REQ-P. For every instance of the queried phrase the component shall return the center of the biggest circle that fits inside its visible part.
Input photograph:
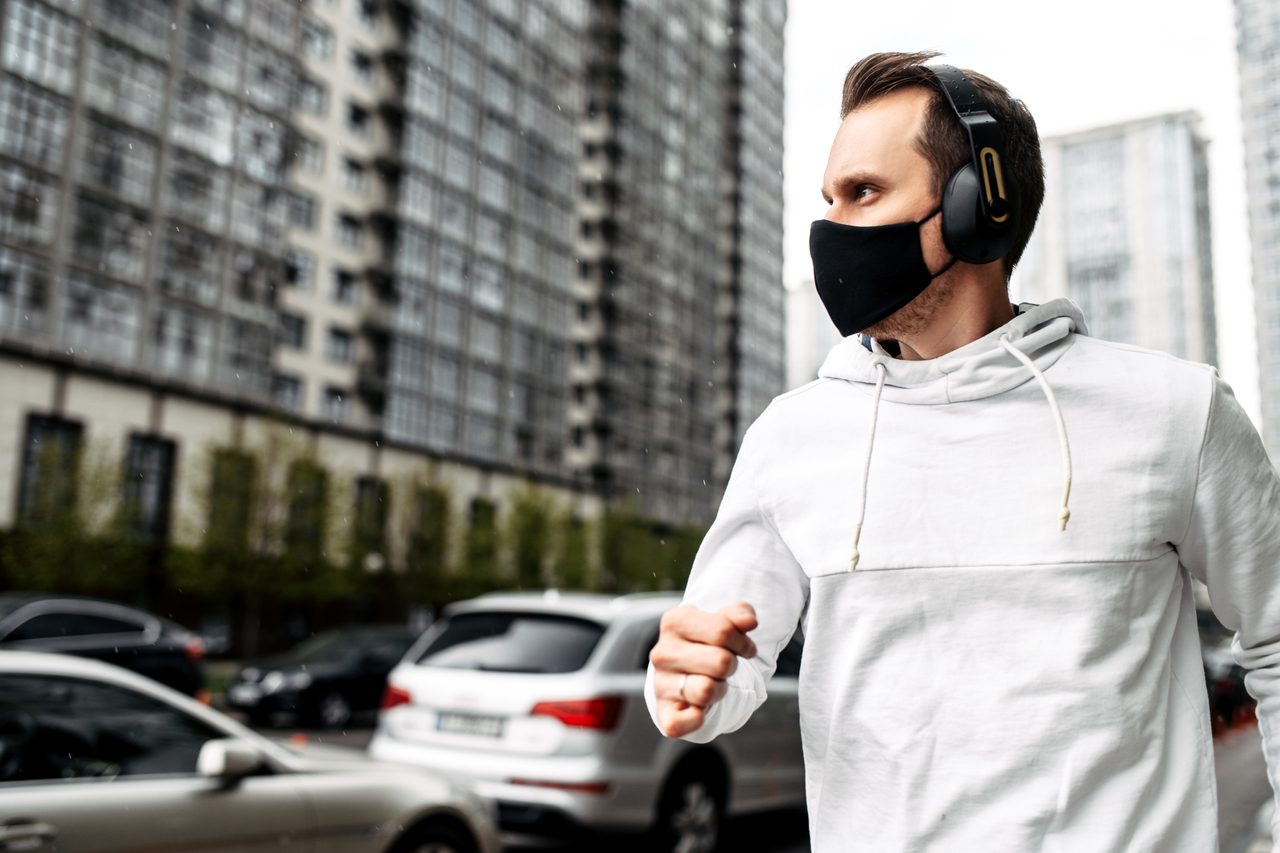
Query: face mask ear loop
(953, 260)
(866, 466)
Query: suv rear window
(513, 642)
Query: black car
(324, 680)
(124, 636)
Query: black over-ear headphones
(980, 205)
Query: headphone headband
(986, 144)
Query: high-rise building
(1258, 42)
(484, 258)
(142, 197)
(1124, 232)
(678, 333)
(520, 238)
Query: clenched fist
(696, 651)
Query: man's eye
(863, 192)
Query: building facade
(513, 239)
(1124, 232)
(1258, 43)
(678, 339)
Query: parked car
(537, 700)
(97, 759)
(324, 680)
(134, 639)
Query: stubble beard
(912, 319)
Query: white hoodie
(982, 680)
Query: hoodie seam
(1204, 444)
(1019, 565)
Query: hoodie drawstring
(866, 466)
(1063, 513)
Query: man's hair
(943, 140)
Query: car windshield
(513, 642)
(341, 645)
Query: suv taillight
(601, 713)
(393, 696)
(194, 649)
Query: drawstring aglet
(1064, 513)
(855, 556)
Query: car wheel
(333, 710)
(690, 812)
(436, 837)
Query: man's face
(875, 176)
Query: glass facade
(144, 207)
(484, 257)
(1258, 41)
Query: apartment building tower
(678, 339)
(1124, 232)
(1258, 44)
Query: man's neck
(962, 321)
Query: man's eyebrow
(853, 180)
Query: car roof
(597, 607)
(12, 602)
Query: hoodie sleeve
(1233, 544)
(742, 558)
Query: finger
(698, 689)
(677, 719)
(713, 629)
(742, 615)
(674, 655)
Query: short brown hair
(943, 140)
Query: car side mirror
(229, 759)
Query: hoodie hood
(981, 369)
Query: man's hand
(697, 650)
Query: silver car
(96, 758)
(537, 699)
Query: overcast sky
(1076, 65)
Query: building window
(202, 119)
(357, 119)
(338, 346)
(317, 39)
(371, 510)
(362, 66)
(33, 125)
(231, 489)
(100, 319)
(313, 97)
(302, 211)
(354, 177)
(124, 85)
(344, 287)
(24, 281)
(335, 405)
(293, 330)
(482, 390)
(308, 153)
(28, 206)
(299, 269)
(349, 231)
(286, 391)
(308, 504)
(212, 50)
(148, 486)
(40, 44)
(117, 161)
(50, 470)
(196, 191)
(182, 342)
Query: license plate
(469, 724)
(244, 694)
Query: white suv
(536, 699)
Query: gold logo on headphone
(991, 165)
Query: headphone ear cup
(964, 231)
(961, 209)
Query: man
(983, 670)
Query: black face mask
(865, 274)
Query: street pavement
(1244, 798)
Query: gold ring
(683, 679)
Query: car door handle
(21, 837)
